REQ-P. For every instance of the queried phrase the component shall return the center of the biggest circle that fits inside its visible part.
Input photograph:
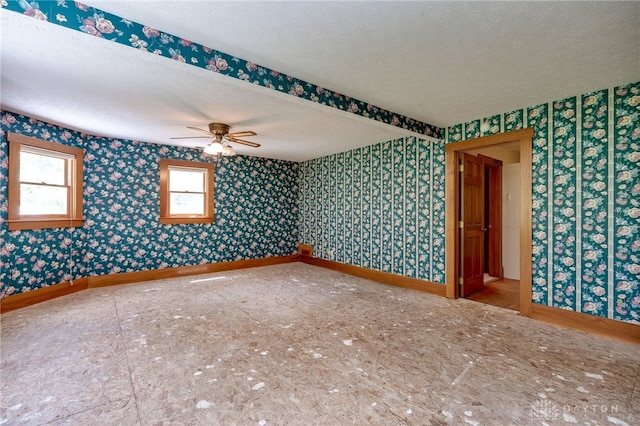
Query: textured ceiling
(438, 62)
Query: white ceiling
(438, 62)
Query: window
(45, 184)
(186, 192)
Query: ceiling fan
(220, 145)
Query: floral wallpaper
(379, 207)
(563, 211)
(586, 198)
(79, 17)
(256, 213)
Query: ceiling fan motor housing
(219, 128)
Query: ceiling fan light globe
(213, 148)
(228, 151)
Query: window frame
(73, 219)
(165, 195)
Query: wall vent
(305, 250)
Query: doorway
(493, 286)
(480, 203)
(465, 235)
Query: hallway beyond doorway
(504, 293)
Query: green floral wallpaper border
(79, 17)
(586, 198)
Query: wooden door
(493, 216)
(472, 222)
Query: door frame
(452, 234)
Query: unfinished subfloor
(295, 344)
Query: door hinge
(461, 167)
(460, 281)
(461, 224)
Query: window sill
(21, 224)
(185, 220)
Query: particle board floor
(299, 345)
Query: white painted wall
(511, 220)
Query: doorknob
(484, 229)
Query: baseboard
(32, 297)
(613, 329)
(372, 274)
(605, 327)
(21, 300)
(181, 271)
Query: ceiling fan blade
(193, 137)
(199, 130)
(241, 134)
(243, 142)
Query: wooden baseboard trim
(606, 327)
(613, 329)
(159, 274)
(21, 300)
(372, 274)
